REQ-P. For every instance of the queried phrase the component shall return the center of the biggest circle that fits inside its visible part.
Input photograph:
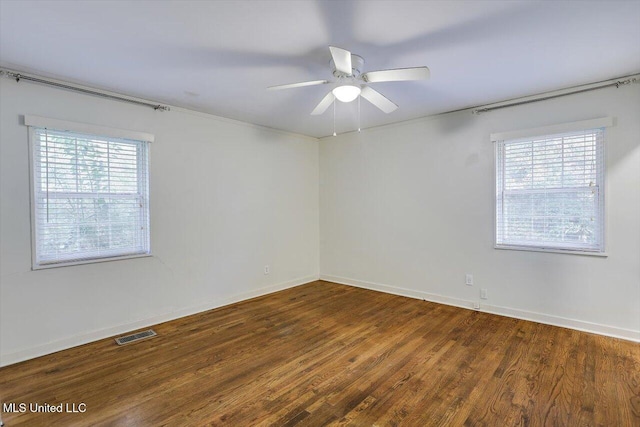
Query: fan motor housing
(357, 65)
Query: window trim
(67, 126)
(582, 125)
(550, 250)
(34, 122)
(603, 122)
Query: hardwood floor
(322, 354)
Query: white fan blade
(302, 84)
(324, 104)
(342, 59)
(397, 75)
(377, 99)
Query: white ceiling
(219, 56)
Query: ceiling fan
(351, 83)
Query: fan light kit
(351, 84)
(346, 93)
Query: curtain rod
(18, 77)
(621, 81)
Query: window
(550, 192)
(90, 197)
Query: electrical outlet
(476, 306)
(483, 293)
(266, 269)
(469, 280)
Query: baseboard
(52, 347)
(580, 325)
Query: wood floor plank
(327, 354)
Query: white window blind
(90, 197)
(550, 192)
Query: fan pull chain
(359, 113)
(334, 118)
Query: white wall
(226, 199)
(405, 208)
(408, 208)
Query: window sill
(35, 267)
(550, 250)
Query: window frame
(585, 125)
(36, 122)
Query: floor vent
(139, 336)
